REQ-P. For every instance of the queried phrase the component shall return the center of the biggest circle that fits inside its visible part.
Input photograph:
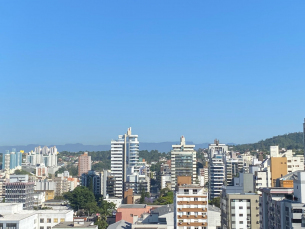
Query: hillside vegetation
(293, 141)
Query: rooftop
(120, 224)
(133, 206)
(71, 224)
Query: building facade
(191, 207)
(124, 159)
(183, 162)
(84, 164)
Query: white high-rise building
(183, 162)
(124, 159)
(217, 154)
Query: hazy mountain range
(161, 147)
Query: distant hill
(292, 141)
(161, 147)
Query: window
(194, 191)
(186, 191)
(62, 220)
(49, 227)
(41, 228)
(55, 220)
(188, 213)
(49, 220)
(131, 215)
(196, 199)
(34, 221)
(241, 215)
(241, 222)
(1, 225)
(41, 220)
(11, 225)
(240, 207)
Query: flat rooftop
(71, 224)
(132, 206)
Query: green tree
(215, 201)
(82, 198)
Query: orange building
(84, 163)
(278, 168)
(129, 212)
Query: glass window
(195, 191)
(49, 220)
(48, 227)
(41, 220)
(41, 227)
(62, 220)
(55, 220)
(186, 191)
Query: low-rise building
(14, 217)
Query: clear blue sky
(84, 71)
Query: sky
(84, 71)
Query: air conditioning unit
(180, 223)
(188, 223)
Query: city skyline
(76, 72)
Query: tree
(82, 198)
(215, 201)
(143, 195)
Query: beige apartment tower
(84, 163)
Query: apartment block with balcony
(191, 207)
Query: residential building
(269, 212)
(216, 175)
(217, 153)
(137, 183)
(45, 155)
(124, 158)
(165, 180)
(232, 169)
(11, 161)
(131, 212)
(240, 210)
(77, 222)
(42, 171)
(183, 162)
(93, 181)
(14, 217)
(84, 163)
(20, 190)
(158, 218)
(191, 207)
(214, 219)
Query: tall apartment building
(183, 162)
(84, 163)
(191, 207)
(216, 155)
(20, 190)
(124, 159)
(11, 160)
